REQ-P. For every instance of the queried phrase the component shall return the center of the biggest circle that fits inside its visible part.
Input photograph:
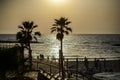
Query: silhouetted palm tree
(61, 27)
(25, 36)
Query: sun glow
(58, 1)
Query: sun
(58, 1)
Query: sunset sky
(87, 16)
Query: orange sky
(87, 16)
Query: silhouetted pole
(67, 68)
(76, 68)
(30, 58)
(86, 63)
(37, 65)
(104, 63)
(61, 64)
(50, 69)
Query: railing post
(67, 68)
(37, 65)
(76, 68)
(50, 69)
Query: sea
(74, 45)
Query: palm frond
(23, 32)
(34, 26)
(21, 27)
(31, 24)
(25, 24)
(63, 31)
(67, 23)
(35, 38)
(65, 19)
(53, 30)
(56, 20)
(55, 25)
(37, 33)
(69, 29)
(61, 27)
(30, 31)
(66, 32)
(58, 30)
(19, 36)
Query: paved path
(46, 65)
(32, 74)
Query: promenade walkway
(32, 74)
(48, 68)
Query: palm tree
(25, 36)
(61, 27)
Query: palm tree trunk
(21, 58)
(61, 52)
(22, 51)
(61, 60)
(30, 57)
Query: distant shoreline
(73, 58)
(7, 41)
